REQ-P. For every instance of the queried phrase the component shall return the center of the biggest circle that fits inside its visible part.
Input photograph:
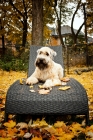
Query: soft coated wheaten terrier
(46, 69)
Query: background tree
(75, 35)
(22, 9)
(37, 22)
(89, 10)
(19, 20)
(3, 22)
(42, 14)
(63, 13)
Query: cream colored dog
(46, 69)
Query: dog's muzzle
(41, 63)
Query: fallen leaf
(10, 124)
(30, 123)
(43, 123)
(43, 91)
(59, 132)
(53, 138)
(11, 132)
(35, 132)
(90, 134)
(22, 125)
(27, 135)
(51, 130)
(64, 83)
(21, 81)
(59, 124)
(11, 116)
(64, 88)
(32, 90)
(2, 106)
(31, 86)
(3, 133)
(21, 133)
(37, 138)
(65, 79)
(40, 86)
(58, 84)
(76, 128)
(39, 123)
(5, 138)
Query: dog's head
(44, 57)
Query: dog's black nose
(41, 60)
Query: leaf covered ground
(40, 128)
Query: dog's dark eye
(47, 53)
(40, 52)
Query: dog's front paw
(48, 84)
(28, 81)
(31, 80)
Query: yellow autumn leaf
(3, 133)
(59, 124)
(11, 131)
(10, 116)
(76, 128)
(40, 86)
(51, 130)
(58, 84)
(37, 138)
(43, 123)
(5, 138)
(10, 124)
(64, 88)
(89, 128)
(31, 86)
(21, 81)
(53, 138)
(66, 136)
(39, 123)
(21, 133)
(59, 132)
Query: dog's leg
(51, 82)
(48, 83)
(57, 82)
(61, 73)
(32, 79)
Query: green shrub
(9, 62)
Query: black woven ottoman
(20, 100)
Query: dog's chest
(44, 75)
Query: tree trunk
(85, 19)
(59, 32)
(24, 37)
(3, 44)
(75, 35)
(37, 22)
(3, 41)
(25, 17)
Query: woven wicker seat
(20, 100)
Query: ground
(57, 131)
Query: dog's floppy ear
(38, 51)
(53, 53)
